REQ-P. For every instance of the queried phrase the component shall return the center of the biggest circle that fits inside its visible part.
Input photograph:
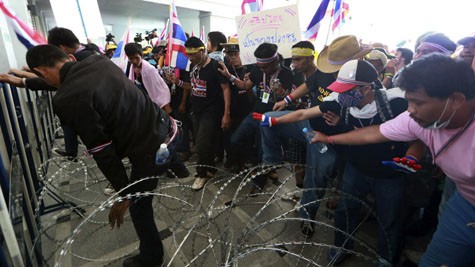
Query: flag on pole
(163, 33)
(176, 52)
(119, 57)
(339, 13)
(202, 34)
(254, 5)
(345, 11)
(312, 29)
(24, 32)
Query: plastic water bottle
(162, 155)
(322, 148)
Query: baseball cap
(377, 55)
(354, 73)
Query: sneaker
(307, 228)
(199, 183)
(336, 256)
(137, 261)
(62, 153)
(109, 190)
(292, 196)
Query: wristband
(288, 99)
(180, 83)
(232, 78)
(388, 74)
(330, 140)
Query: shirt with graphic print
(206, 91)
(317, 84)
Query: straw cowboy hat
(340, 51)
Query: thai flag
(341, 11)
(119, 57)
(24, 32)
(254, 5)
(202, 34)
(312, 29)
(163, 33)
(176, 52)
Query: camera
(138, 37)
(110, 37)
(150, 34)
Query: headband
(343, 80)
(436, 46)
(267, 60)
(191, 50)
(302, 52)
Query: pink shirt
(156, 87)
(457, 161)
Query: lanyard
(452, 138)
(274, 76)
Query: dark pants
(248, 132)
(230, 153)
(70, 140)
(184, 143)
(206, 127)
(389, 197)
(141, 210)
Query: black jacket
(98, 101)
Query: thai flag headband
(436, 46)
(267, 60)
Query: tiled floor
(220, 225)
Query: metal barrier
(27, 134)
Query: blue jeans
(389, 197)
(319, 166)
(453, 243)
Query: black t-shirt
(317, 84)
(176, 93)
(285, 77)
(367, 158)
(242, 100)
(206, 91)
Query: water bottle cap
(305, 130)
(163, 145)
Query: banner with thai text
(279, 26)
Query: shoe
(307, 228)
(199, 183)
(292, 196)
(137, 261)
(273, 175)
(336, 256)
(109, 190)
(63, 153)
(255, 191)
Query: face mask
(437, 124)
(350, 99)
